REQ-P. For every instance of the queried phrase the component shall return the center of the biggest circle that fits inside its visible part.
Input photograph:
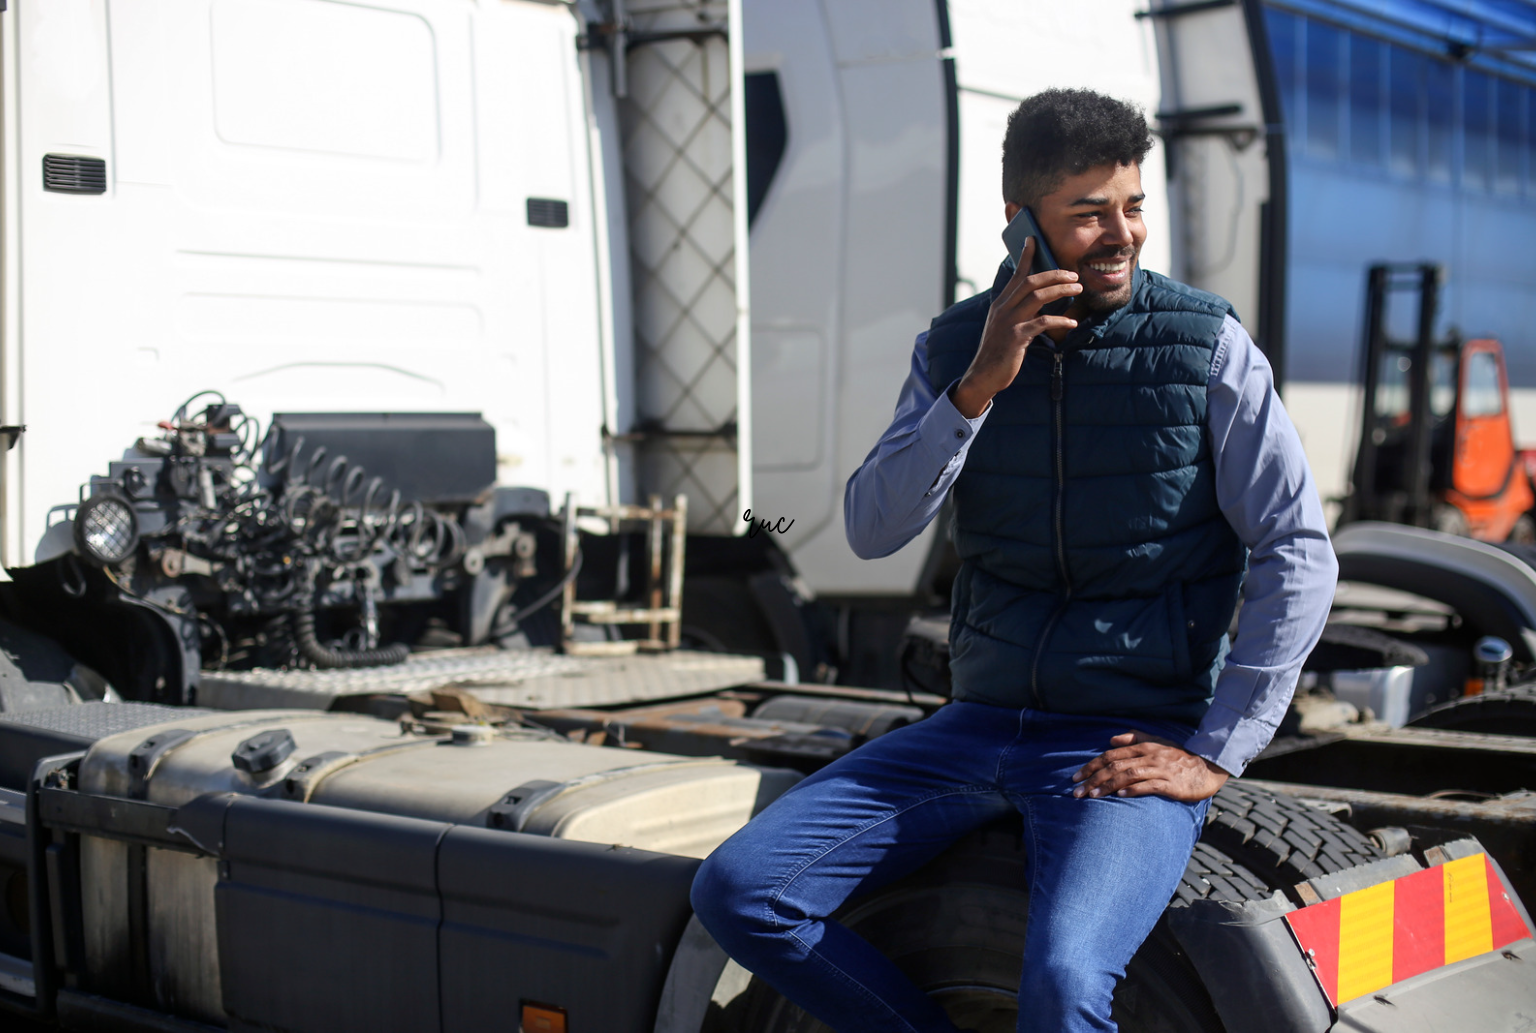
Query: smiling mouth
(1112, 267)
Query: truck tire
(1280, 839)
(957, 929)
(1505, 712)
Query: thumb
(1128, 739)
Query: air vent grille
(543, 211)
(68, 174)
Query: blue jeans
(1100, 870)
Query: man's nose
(1117, 231)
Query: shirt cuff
(1232, 738)
(944, 435)
(944, 429)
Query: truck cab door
(852, 135)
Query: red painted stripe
(1317, 930)
(1507, 924)
(1418, 930)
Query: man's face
(1093, 223)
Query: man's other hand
(1138, 764)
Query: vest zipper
(1058, 385)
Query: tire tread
(1280, 839)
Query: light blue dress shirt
(1263, 486)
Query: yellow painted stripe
(1468, 924)
(1365, 940)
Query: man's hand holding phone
(1014, 320)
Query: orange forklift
(1436, 446)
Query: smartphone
(1015, 234)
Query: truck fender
(698, 967)
(1258, 980)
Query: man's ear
(1010, 210)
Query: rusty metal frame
(666, 544)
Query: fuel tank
(520, 781)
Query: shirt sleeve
(1266, 491)
(903, 480)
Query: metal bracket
(652, 429)
(146, 756)
(302, 781)
(113, 817)
(664, 594)
(1173, 125)
(513, 810)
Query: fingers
(1023, 281)
(1150, 787)
(1046, 293)
(1125, 766)
(1097, 776)
(1025, 294)
(1115, 776)
(1127, 738)
(1123, 751)
(1030, 329)
(1147, 767)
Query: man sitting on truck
(1116, 470)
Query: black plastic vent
(68, 174)
(767, 136)
(544, 211)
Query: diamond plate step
(536, 679)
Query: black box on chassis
(438, 458)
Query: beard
(1100, 302)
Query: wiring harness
(289, 533)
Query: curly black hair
(1059, 133)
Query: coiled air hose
(326, 658)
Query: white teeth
(1115, 268)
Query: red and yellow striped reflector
(1363, 941)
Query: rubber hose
(327, 659)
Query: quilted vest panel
(1098, 574)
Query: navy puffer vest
(1098, 574)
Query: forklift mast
(1397, 491)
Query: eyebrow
(1100, 202)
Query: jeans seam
(788, 880)
(1033, 857)
(1002, 758)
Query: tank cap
(1491, 649)
(263, 751)
(473, 735)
